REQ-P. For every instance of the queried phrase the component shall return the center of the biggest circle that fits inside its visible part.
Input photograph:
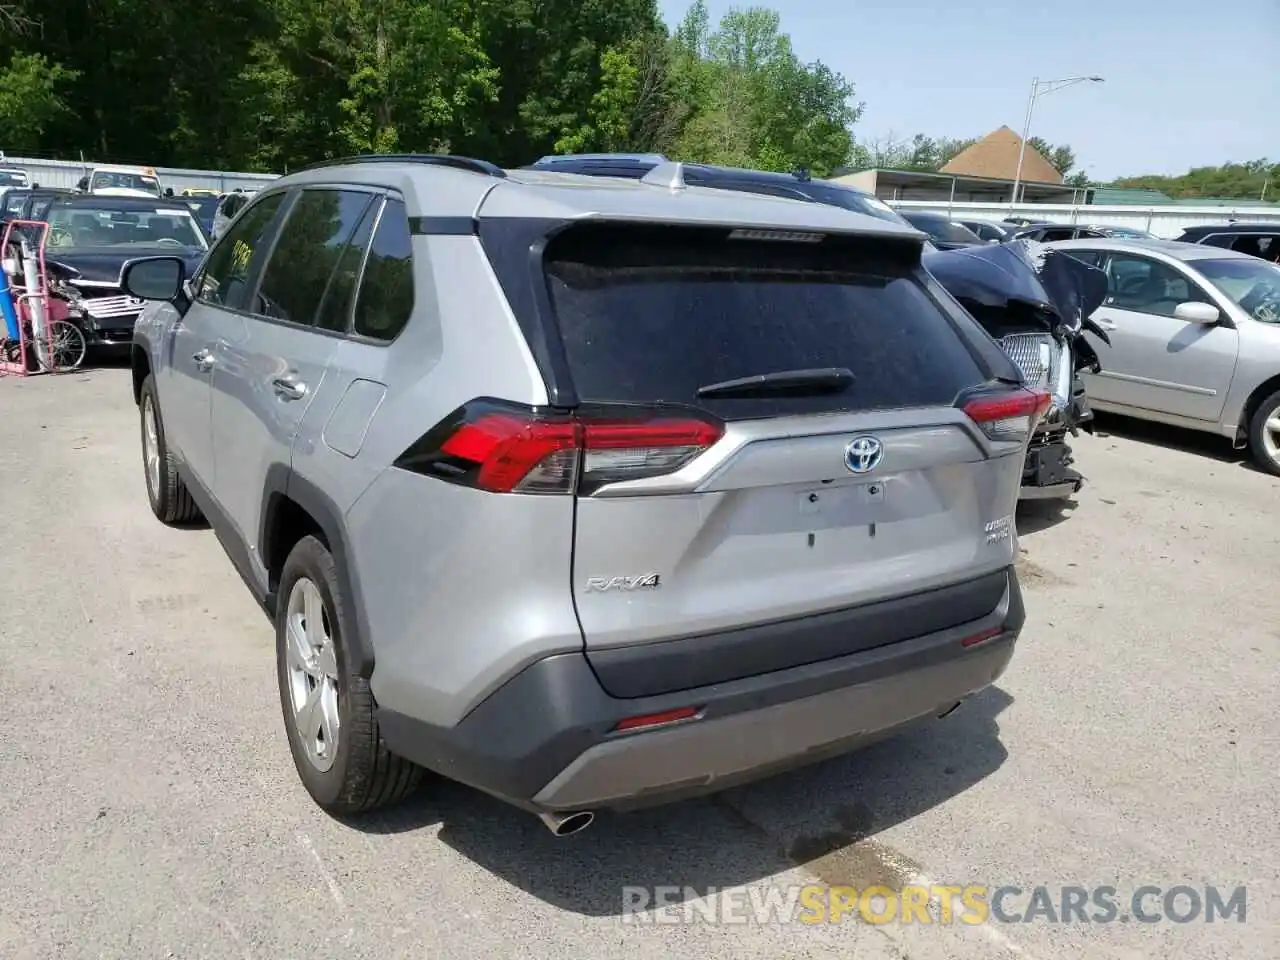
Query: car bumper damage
(551, 739)
(1037, 303)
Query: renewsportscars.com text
(970, 904)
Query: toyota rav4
(590, 494)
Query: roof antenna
(669, 174)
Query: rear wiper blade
(796, 382)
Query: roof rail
(669, 174)
(435, 159)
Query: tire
(352, 771)
(169, 498)
(1264, 440)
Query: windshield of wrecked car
(1253, 285)
(73, 227)
(114, 180)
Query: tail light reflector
(974, 639)
(1008, 415)
(506, 449)
(656, 719)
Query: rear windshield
(649, 315)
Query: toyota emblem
(863, 454)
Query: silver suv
(589, 494)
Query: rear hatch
(778, 461)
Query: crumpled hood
(1026, 279)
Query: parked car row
(1192, 326)
(1260, 239)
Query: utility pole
(1038, 89)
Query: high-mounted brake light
(1008, 415)
(506, 449)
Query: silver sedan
(1195, 339)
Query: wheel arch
(140, 364)
(293, 508)
(1251, 405)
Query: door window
(1258, 245)
(386, 292)
(316, 232)
(224, 277)
(13, 203)
(335, 308)
(1146, 286)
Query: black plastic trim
(443, 226)
(528, 730)
(283, 483)
(223, 528)
(653, 669)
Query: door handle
(1105, 324)
(289, 388)
(203, 359)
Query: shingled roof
(996, 156)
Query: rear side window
(649, 315)
(312, 240)
(386, 292)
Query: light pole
(1038, 89)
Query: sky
(1187, 83)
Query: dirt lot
(151, 809)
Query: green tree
(752, 102)
(31, 98)
(1250, 180)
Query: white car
(122, 181)
(1195, 339)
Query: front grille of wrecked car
(1035, 356)
(113, 307)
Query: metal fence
(1163, 221)
(66, 173)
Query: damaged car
(1036, 303)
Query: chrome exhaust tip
(567, 824)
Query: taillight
(1007, 414)
(507, 449)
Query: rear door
(803, 501)
(272, 358)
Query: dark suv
(1256, 239)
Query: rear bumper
(546, 739)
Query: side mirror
(154, 278)
(82, 184)
(1193, 312)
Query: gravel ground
(152, 810)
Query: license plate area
(846, 504)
